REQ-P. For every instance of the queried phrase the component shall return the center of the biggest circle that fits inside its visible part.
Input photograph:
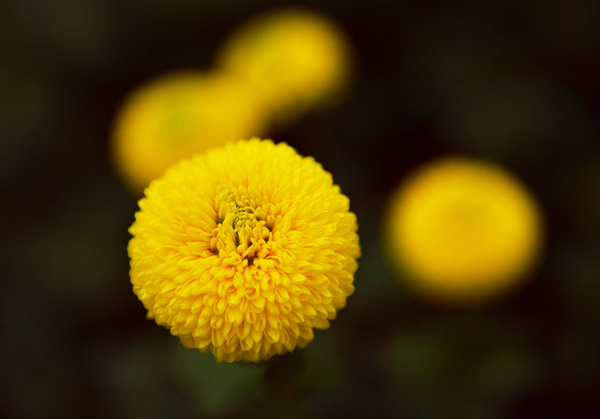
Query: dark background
(514, 81)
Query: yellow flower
(176, 115)
(462, 230)
(296, 59)
(241, 251)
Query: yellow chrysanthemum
(296, 59)
(177, 115)
(241, 251)
(462, 230)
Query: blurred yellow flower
(176, 115)
(241, 251)
(296, 59)
(462, 230)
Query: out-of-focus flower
(296, 59)
(462, 230)
(176, 115)
(241, 251)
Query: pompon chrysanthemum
(176, 115)
(296, 59)
(462, 230)
(243, 250)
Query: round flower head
(177, 115)
(462, 230)
(296, 60)
(241, 251)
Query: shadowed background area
(515, 82)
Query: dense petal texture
(243, 250)
(462, 230)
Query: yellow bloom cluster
(279, 65)
(462, 230)
(297, 59)
(176, 115)
(243, 250)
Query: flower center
(243, 223)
